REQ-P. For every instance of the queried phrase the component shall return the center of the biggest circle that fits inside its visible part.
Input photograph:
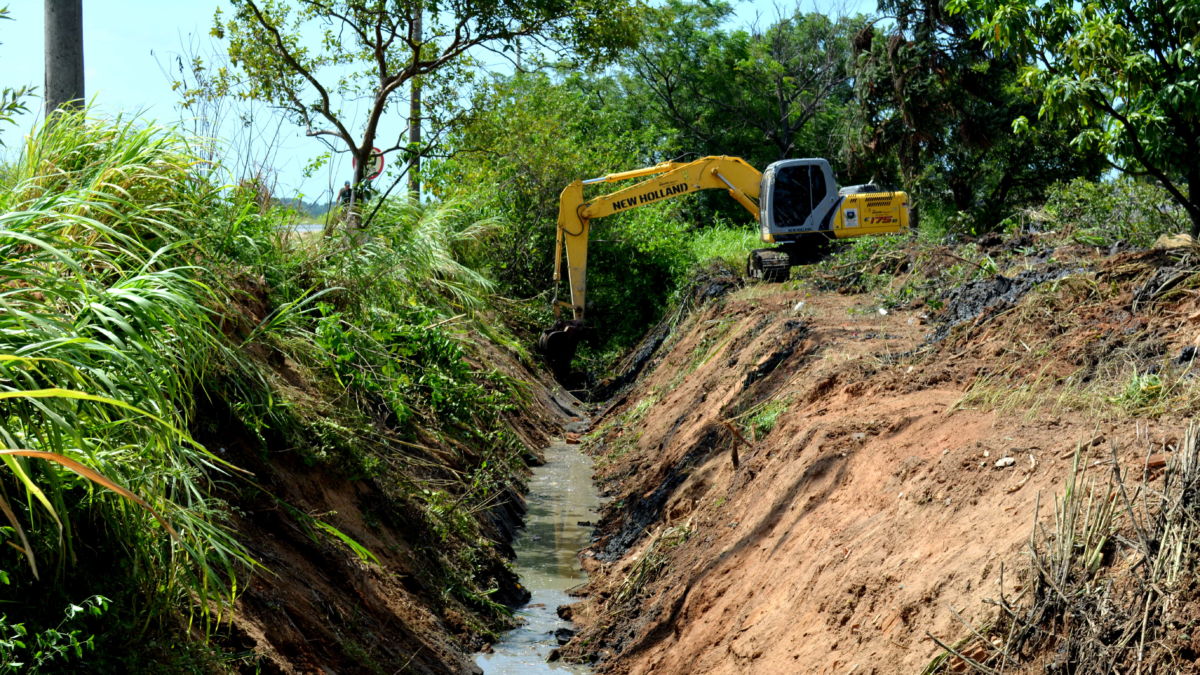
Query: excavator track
(769, 265)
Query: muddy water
(561, 496)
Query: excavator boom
(667, 180)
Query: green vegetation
(1124, 74)
(1102, 214)
(158, 327)
(106, 333)
(137, 299)
(935, 112)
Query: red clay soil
(314, 606)
(876, 512)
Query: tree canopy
(762, 92)
(311, 57)
(932, 100)
(1126, 72)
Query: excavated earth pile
(802, 482)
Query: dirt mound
(804, 483)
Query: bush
(1102, 214)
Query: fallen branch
(737, 435)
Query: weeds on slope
(904, 271)
(1109, 586)
(106, 331)
(135, 292)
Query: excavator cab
(802, 209)
(793, 192)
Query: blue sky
(128, 43)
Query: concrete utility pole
(64, 54)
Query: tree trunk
(64, 54)
(1193, 195)
(414, 116)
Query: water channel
(561, 497)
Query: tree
(1127, 72)
(933, 102)
(414, 115)
(752, 93)
(308, 57)
(64, 53)
(527, 137)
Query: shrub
(1104, 213)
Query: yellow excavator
(798, 205)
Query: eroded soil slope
(355, 574)
(885, 483)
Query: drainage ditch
(561, 503)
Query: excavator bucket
(558, 344)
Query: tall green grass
(106, 334)
(134, 293)
(730, 243)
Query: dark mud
(976, 299)
(796, 332)
(637, 516)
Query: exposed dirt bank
(319, 606)
(804, 483)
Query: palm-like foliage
(416, 253)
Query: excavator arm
(666, 180)
(669, 179)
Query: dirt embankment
(355, 575)
(803, 483)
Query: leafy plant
(12, 99)
(763, 420)
(1142, 390)
(23, 650)
(1104, 213)
(105, 333)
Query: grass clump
(762, 420)
(1107, 580)
(730, 243)
(649, 566)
